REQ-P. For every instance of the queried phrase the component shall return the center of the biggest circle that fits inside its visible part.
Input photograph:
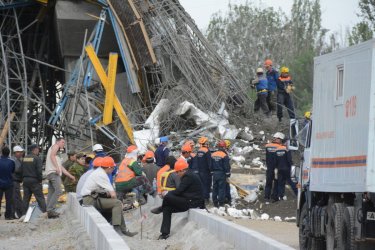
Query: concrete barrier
(238, 236)
(99, 230)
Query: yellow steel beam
(116, 102)
(110, 90)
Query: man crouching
(98, 192)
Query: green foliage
(360, 33)
(367, 8)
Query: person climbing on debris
(188, 195)
(98, 192)
(32, 175)
(272, 76)
(7, 167)
(169, 165)
(202, 166)
(77, 170)
(162, 152)
(130, 176)
(149, 167)
(271, 181)
(220, 170)
(81, 182)
(284, 89)
(261, 86)
(18, 153)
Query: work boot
(157, 210)
(124, 231)
(163, 236)
(52, 215)
(142, 200)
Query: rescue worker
(98, 192)
(220, 170)
(96, 163)
(202, 166)
(77, 170)
(185, 152)
(99, 152)
(261, 86)
(170, 180)
(162, 152)
(18, 152)
(272, 76)
(271, 182)
(149, 167)
(228, 196)
(169, 165)
(307, 118)
(284, 89)
(32, 174)
(187, 195)
(284, 164)
(192, 154)
(130, 175)
(7, 167)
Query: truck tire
(306, 241)
(348, 240)
(334, 226)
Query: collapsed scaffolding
(162, 56)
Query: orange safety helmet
(186, 148)
(131, 148)
(268, 62)
(221, 144)
(149, 154)
(180, 165)
(97, 162)
(108, 162)
(203, 140)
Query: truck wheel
(334, 226)
(306, 241)
(348, 241)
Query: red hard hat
(131, 148)
(186, 148)
(108, 162)
(180, 165)
(268, 62)
(222, 144)
(149, 154)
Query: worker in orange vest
(170, 161)
(130, 176)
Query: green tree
(367, 8)
(360, 33)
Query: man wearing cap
(130, 175)
(54, 170)
(162, 152)
(81, 182)
(98, 192)
(17, 180)
(189, 194)
(7, 167)
(32, 179)
(99, 152)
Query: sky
(336, 14)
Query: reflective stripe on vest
(158, 177)
(124, 172)
(164, 178)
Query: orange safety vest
(163, 180)
(158, 177)
(124, 172)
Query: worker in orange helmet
(169, 165)
(187, 195)
(272, 77)
(220, 170)
(202, 164)
(149, 168)
(130, 176)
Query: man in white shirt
(97, 191)
(81, 182)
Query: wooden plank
(110, 90)
(241, 192)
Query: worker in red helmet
(272, 77)
(150, 168)
(220, 170)
(187, 195)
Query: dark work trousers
(261, 103)
(206, 179)
(172, 204)
(17, 199)
(33, 186)
(283, 178)
(228, 197)
(284, 99)
(271, 101)
(271, 184)
(9, 201)
(219, 186)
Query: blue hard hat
(164, 139)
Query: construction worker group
(273, 91)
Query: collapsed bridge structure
(65, 65)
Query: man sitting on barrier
(98, 192)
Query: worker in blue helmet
(162, 152)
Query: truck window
(339, 85)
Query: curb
(99, 230)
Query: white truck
(336, 199)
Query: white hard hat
(260, 70)
(279, 135)
(18, 149)
(97, 147)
